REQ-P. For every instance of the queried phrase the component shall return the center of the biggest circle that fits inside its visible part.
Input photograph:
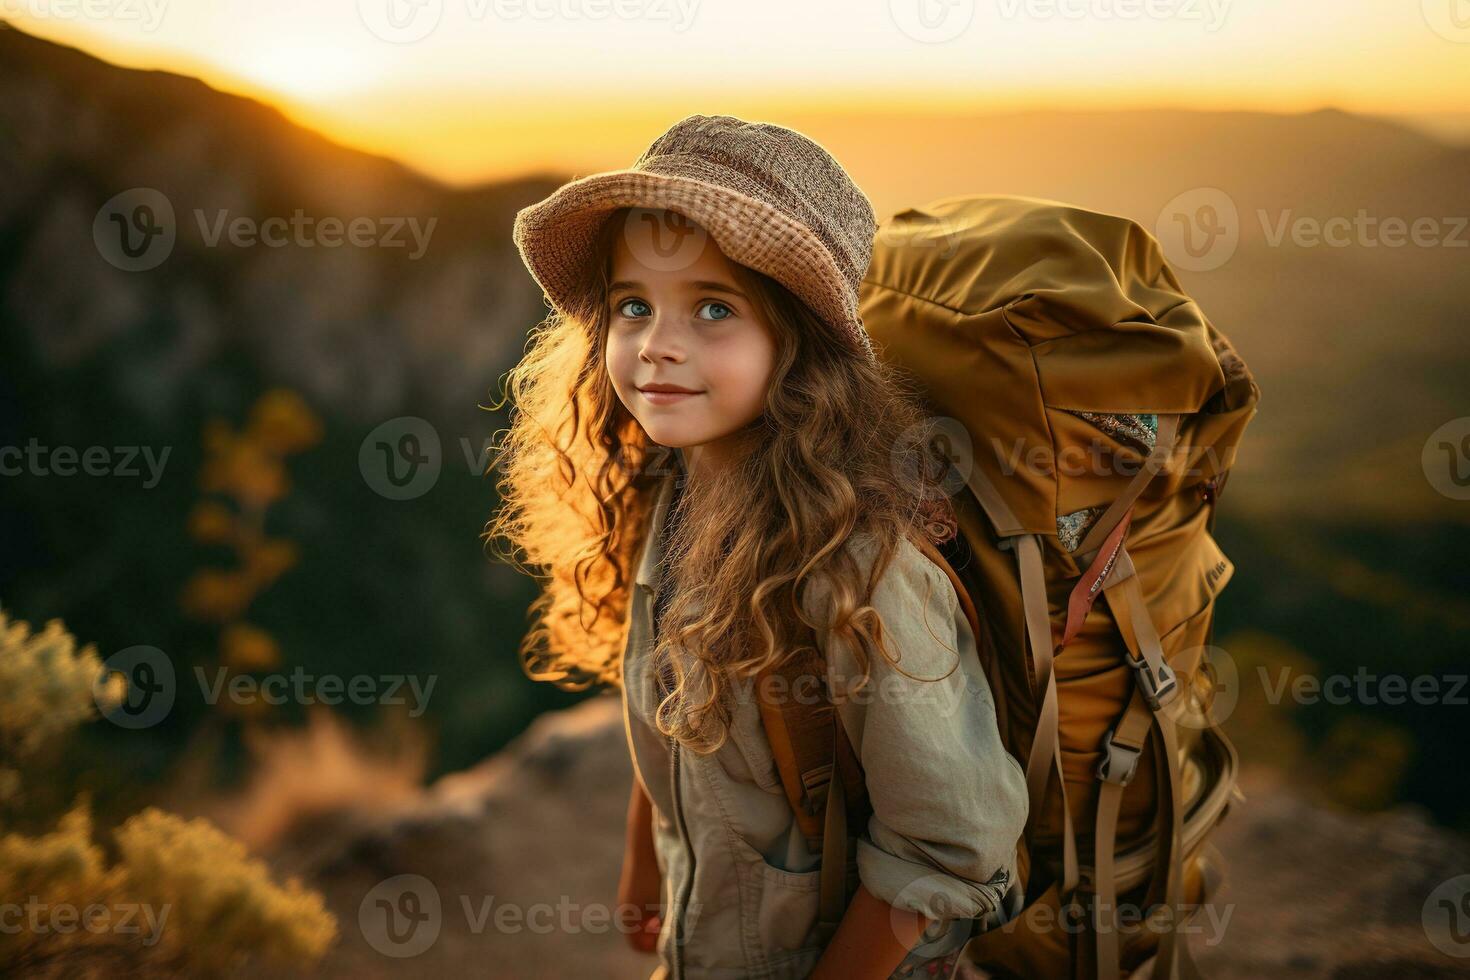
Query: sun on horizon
(469, 90)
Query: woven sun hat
(772, 199)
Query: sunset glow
(471, 89)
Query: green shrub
(182, 896)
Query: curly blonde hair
(841, 450)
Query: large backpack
(1091, 414)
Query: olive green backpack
(1091, 413)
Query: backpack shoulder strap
(803, 731)
(808, 741)
(966, 603)
(983, 645)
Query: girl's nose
(663, 341)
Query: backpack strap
(1045, 760)
(1122, 746)
(808, 740)
(804, 731)
(832, 898)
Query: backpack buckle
(815, 785)
(1119, 762)
(1159, 685)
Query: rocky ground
(510, 870)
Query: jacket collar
(649, 565)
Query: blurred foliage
(46, 688)
(1313, 600)
(249, 468)
(245, 474)
(377, 585)
(181, 897)
(1360, 762)
(244, 647)
(221, 896)
(302, 775)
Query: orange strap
(1090, 586)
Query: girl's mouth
(667, 397)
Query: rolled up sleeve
(949, 802)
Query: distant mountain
(358, 328)
(1448, 125)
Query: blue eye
(728, 312)
(622, 307)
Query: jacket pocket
(780, 906)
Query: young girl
(713, 468)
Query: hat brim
(556, 237)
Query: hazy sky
(469, 88)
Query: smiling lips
(667, 394)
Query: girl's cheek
(620, 364)
(743, 380)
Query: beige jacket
(949, 803)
